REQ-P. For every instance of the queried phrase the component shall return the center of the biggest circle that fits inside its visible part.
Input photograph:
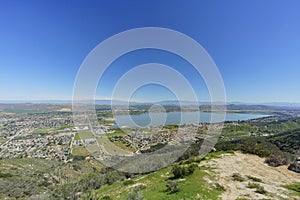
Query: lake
(159, 119)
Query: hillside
(220, 175)
(288, 141)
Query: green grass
(295, 187)
(154, 186)
(254, 178)
(5, 175)
(259, 189)
(2, 141)
(124, 146)
(76, 137)
(118, 132)
(42, 131)
(20, 111)
(63, 127)
(217, 154)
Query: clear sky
(255, 44)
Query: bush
(277, 160)
(106, 198)
(254, 179)
(128, 182)
(220, 187)
(135, 194)
(172, 187)
(181, 171)
(294, 167)
(259, 189)
(5, 175)
(237, 177)
(261, 149)
(192, 150)
(178, 171)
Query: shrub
(192, 150)
(277, 160)
(220, 187)
(106, 198)
(294, 167)
(262, 149)
(178, 171)
(237, 177)
(5, 175)
(254, 179)
(253, 185)
(135, 194)
(172, 187)
(181, 171)
(259, 189)
(128, 182)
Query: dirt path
(245, 165)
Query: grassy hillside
(20, 178)
(158, 185)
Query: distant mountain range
(167, 102)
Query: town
(52, 135)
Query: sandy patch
(245, 165)
(64, 110)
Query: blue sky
(255, 44)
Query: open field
(80, 151)
(51, 130)
(83, 135)
(110, 147)
(124, 146)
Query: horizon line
(136, 101)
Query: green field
(118, 132)
(76, 137)
(63, 127)
(129, 148)
(80, 151)
(110, 147)
(83, 135)
(2, 141)
(42, 131)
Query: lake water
(158, 119)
